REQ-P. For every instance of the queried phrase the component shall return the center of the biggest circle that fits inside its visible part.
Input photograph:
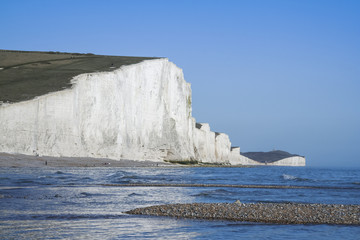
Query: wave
(288, 177)
(124, 177)
(214, 193)
(74, 216)
(294, 178)
(20, 181)
(87, 194)
(324, 183)
(134, 194)
(44, 176)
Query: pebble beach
(281, 213)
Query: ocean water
(78, 203)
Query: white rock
(204, 143)
(296, 161)
(237, 159)
(139, 112)
(222, 148)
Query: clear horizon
(271, 74)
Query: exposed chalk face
(222, 147)
(237, 159)
(204, 143)
(290, 161)
(140, 112)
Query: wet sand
(279, 213)
(19, 160)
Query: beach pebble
(282, 213)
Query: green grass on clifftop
(25, 75)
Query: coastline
(134, 187)
(20, 160)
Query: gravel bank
(282, 213)
(20, 160)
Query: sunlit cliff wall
(140, 111)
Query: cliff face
(296, 161)
(135, 110)
(273, 158)
(140, 111)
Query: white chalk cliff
(140, 112)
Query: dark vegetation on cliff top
(25, 75)
(268, 157)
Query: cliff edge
(83, 105)
(25, 75)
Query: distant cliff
(103, 107)
(275, 158)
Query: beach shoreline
(276, 213)
(21, 160)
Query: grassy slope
(25, 75)
(268, 157)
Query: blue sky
(271, 74)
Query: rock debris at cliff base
(280, 213)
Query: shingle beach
(281, 213)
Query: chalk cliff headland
(83, 105)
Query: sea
(89, 203)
